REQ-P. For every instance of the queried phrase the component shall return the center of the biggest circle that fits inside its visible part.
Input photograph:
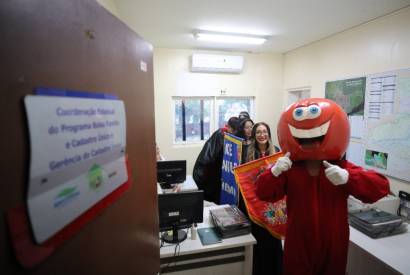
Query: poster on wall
(349, 94)
(77, 157)
(231, 158)
(380, 135)
(387, 116)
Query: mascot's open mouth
(310, 138)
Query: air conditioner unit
(216, 63)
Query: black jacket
(208, 167)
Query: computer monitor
(178, 211)
(171, 172)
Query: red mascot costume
(314, 134)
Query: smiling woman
(268, 250)
(261, 142)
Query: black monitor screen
(171, 171)
(179, 210)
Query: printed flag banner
(231, 158)
(271, 216)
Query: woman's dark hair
(234, 122)
(241, 131)
(244, 115)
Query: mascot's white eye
(313, 111)
(299, 113)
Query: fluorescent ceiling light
(232, 38)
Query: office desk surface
(188, 185)
(394, 251)
(188, 246)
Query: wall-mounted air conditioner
(216, 63)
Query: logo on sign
(95, 177)
(65, 196)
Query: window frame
(214, 114)
(211, 121)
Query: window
(192, 119)
(194, 116)
(229, 107)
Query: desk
(231, 256)
(188, 185)
(388, 255)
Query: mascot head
(314, 129)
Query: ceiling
(289, 23)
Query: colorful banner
(271, 216)
(77, 158)
(231, 158)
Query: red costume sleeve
(269, 187)
(365, 185)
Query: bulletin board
(380, 137)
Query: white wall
(378, 46)
(109, 5)
(261, 78)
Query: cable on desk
(176, 254)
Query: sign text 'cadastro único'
(77, 157)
